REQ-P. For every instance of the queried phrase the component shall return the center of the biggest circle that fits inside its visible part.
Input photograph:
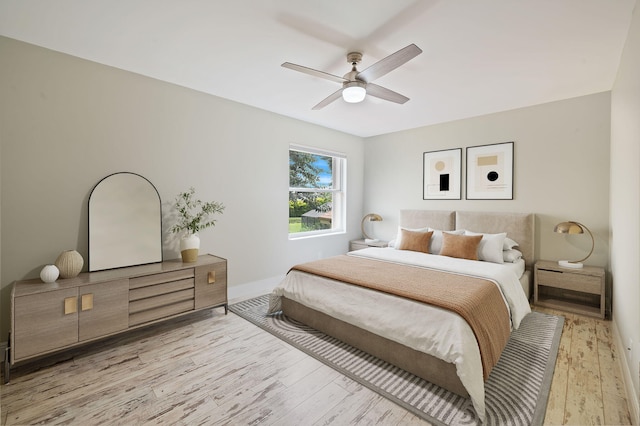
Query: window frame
(338, 191)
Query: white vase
(49, 273)
(189, 247)
(69, 263)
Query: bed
(429, 341)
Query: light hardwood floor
(587, 387)
(209, 368)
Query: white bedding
(443, 334)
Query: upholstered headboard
(436, 219)
(519, 227)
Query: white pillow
(396, 243)
(490, 247)
(435, 245)
(511, 255)
(509, 244)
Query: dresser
(49, 317)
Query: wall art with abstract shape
(442, 174)
(490, 172)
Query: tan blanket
(477, 300)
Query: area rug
(516, 392)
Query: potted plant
(194, 215)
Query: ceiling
(479, 57)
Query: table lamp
(573, 228)
(371, 217)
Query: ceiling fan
(357, 84)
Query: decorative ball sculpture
(69, 263)
(49, 273)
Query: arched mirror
(125, 222)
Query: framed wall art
(442, 174)
(490, 172)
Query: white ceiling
(478, 57)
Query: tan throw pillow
(415, 241)
(461, 246)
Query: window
(316, 192)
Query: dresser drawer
(161, 300)
(157, 296)
(160, 278)
(161, 312)
(159, 289)
(570, 281)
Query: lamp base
(371, 240)
(568, 264)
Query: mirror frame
(128, 242)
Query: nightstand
(575, 290)
(362, 244)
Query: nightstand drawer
(363, 244)
(570, 281)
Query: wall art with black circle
(490, 172)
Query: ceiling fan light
(353, 92)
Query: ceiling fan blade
(313, 72)
(326, 101)
(386, 94)
(389, 63)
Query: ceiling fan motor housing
(354, 58)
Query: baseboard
(241, 292)
(627, 377)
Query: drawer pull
(86, 303)
(70, 305)
(211, 277)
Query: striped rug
(516, 392)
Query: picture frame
(490, 172)
(442, 176)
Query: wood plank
(196, 409)
(558, 393)
(353, 408)
(615, 404)
(584, 404)
(313, 409)
(227, 375)
(284, 402)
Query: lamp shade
(371, 217)
(571, 227)
(354, 91)
(568, 228)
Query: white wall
(625, 205)
(561, 161)
(66, 123)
